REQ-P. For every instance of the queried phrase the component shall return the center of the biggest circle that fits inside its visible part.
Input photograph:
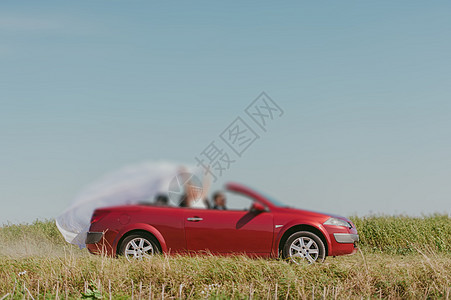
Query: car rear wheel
(304, 246)
(139, 246)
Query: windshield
(273, 200)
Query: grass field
(400, 257)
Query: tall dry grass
(403, 234)
(53, 269)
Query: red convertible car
(267, 228)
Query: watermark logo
(238, 136)
(218, 156)
(184, 186)
(263, 110)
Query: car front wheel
(304, 246)
(139, 246)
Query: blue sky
(87, 87)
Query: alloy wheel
(304, 249)
(138, 249)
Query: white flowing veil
(130, 185)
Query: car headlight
(337, 222)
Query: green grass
(400, 257)
(403, 235)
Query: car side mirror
(257, 206)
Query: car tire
(139, 246)
(304, 246)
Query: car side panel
(288, 225)
(168, 221)
(338, 248)
(229, 231)
(165, 223)
(144, 227)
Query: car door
(229, 231)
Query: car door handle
(195, 219)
